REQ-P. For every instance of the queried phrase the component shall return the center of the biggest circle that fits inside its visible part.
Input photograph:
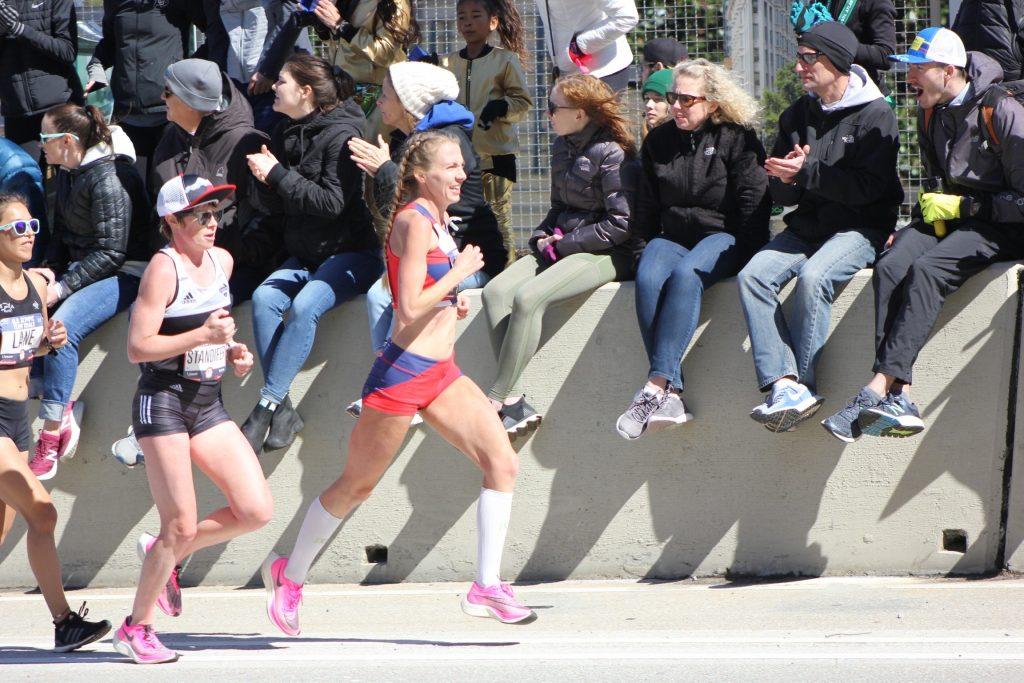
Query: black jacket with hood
(694, 184)
(849, 179)
(315, 193)
(217, 151)
(993, 27)
(956, 150)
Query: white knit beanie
(420, 86)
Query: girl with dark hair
(96, 255)
(25, 332)
(313, 189)
(585, 240)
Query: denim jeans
(670, 282)
(305, 295)
(784, 348)
(382, 315)
(82, 314)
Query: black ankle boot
(285, 425)
(256, 426)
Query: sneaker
(355, 408)
(46, 456)
(128, 451)
(284, 425)
(519, 417)
(633, 423)
(75, 632)
(895, 416)
(139, 642)
(844, 424)
(497, 602)
(787, 406)
(71, 429)
(670, 413)
(283, 595)
(169, 600)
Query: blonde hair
(735, 105)
(417, 154)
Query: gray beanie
(420, 86)
(197, 83)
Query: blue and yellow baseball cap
(935, 44)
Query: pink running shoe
(497, 602)
(139, 642)
(70, 429)
(283, 595)
(169, 600)
(46, 456)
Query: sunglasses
(45, 137)
(22, 227)
(203, 217)
(809, 58)
(683, 99)
(167, 92)
(552, 108)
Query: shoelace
(149, 637)
(647, 404)
(292, 598)
(73, 617)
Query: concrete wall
(715, 496)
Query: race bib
(20, 336)
(205, 363)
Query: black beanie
(833, 40)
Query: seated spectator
(585, 240)
(95, 259)
(20, 175)
(703, 206)
(417, 96)
(589, 37)
(835, 160)
(661, 54)
(971, 220)
(315, 192)
(657, 110)
(211, 137)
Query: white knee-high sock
(317, 528)
(493, 511)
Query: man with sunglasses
(834, 160)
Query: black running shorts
(15, 423)
(169, 404)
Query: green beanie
(659, 82)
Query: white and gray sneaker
(633, 423)
(670, 413)
(355, 408)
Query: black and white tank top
(21, 327)
(191, 306)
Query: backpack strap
(986, 113)
(847, 11)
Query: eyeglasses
(683, 99)
(22, 227)
(552, 108)
(203, 217)
(809, 58)
(167, 92)
(46, 137)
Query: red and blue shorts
(402, 383)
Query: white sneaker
(128, 451)
(355, 408)
(670, 413)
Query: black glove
(495, 109)
(10, 22)
(347, 31)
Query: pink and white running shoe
(46, 456)
(283, 595)
(497, 602)
(169, 600)
(139, 642)
(71, 428)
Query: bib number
(205, 363)
(20, 336)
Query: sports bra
(21, 327)
(188, 310)
(440, 259)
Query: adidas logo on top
(189, 299)
(176, 387)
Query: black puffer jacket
(592, 184)
(874, 24)
(37, 68)
(696, 184)
(218, 152)
(101, 219)
(993, 27)
(316, 191)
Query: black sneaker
(75, 631)
(256, 426)
(285, 424)
(519, 417)
(844, 425)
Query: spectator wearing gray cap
(660, 54)
(211, 136)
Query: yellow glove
(940, 207)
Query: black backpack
(987, 108)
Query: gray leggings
(515, 302)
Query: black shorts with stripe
(166, 403)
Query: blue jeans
(382, 315)
(784, 348)
(82, 314)
(670, 282)
(305, 295)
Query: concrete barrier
(720, 495)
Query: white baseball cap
(935, 44)
(184, 192)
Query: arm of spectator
(1003, 206)
(646, 218)
(517, 93)
(60, 43)
(748, 184)
(111, 215)
(103, 53)
(621, 17)
(379, 46)
(613, 226)
(881, 34)
(385, 184)
(784, 194)
(276, 50)
(340, 180)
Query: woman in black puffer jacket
(314, 189)
(95, 258)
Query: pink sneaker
(497, 602)
(283, 595)
(46, 456)
(169, 600)
(70, 429)
(139, 642)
